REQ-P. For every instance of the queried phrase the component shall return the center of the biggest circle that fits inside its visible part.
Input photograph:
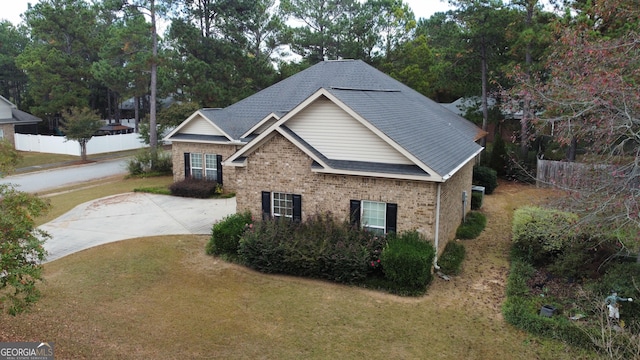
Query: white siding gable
(5, 110)
(338, 136)
(200, 126)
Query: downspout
(437, 232)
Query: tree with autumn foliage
(589, 94)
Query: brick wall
(280, 166)
(179, 148)
(451, 203)
(8, 133)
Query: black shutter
(354, 211)
(392, 217)
(297, 208)
(219, 169)
(187, 165)
(266, 205)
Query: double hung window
(374, 216)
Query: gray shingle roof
(436, 136)
(20, 117)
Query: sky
(11, 9)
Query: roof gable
(420, 129)
(200, 125)
(339, 136)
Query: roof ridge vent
(362, 89)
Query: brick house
(13, 120)
(339, 137)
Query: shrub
(539, 234)
(485, 176)
(321, 247)
(476, 200)
(583, 256)
(225, 234)
(195, 188)
(149, 163)
(406, 260)
(473, 225)
(450, 261)
(519, 274)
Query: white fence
(60, 144)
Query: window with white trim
(210, 167)
(374, 216)
(1, 134)
(203, 166)
(196, 166)
(282, 205)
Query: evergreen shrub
(450, 261)
(473, 225)
(476, 200)
(225, 234)
(320, 247)
(407, 259)
(485, 176)
(540, 234)
(195, 188)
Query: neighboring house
(14, 121)
(339, 137)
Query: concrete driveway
(131, 215)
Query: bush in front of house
(450, 261)
(320, 247)
(472, 226)
(225, 235)
(195, 188)
(476, 200)
(406, 261)
(485, 176)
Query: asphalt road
(39, 181)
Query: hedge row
(523, 310)
(195, 188)
(322, 247)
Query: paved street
(39, 181)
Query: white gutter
(452, 172)
(437, 232)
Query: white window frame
(367, 213)
(282, 201)
(1, 133)
(210, 172)
(196, 171)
